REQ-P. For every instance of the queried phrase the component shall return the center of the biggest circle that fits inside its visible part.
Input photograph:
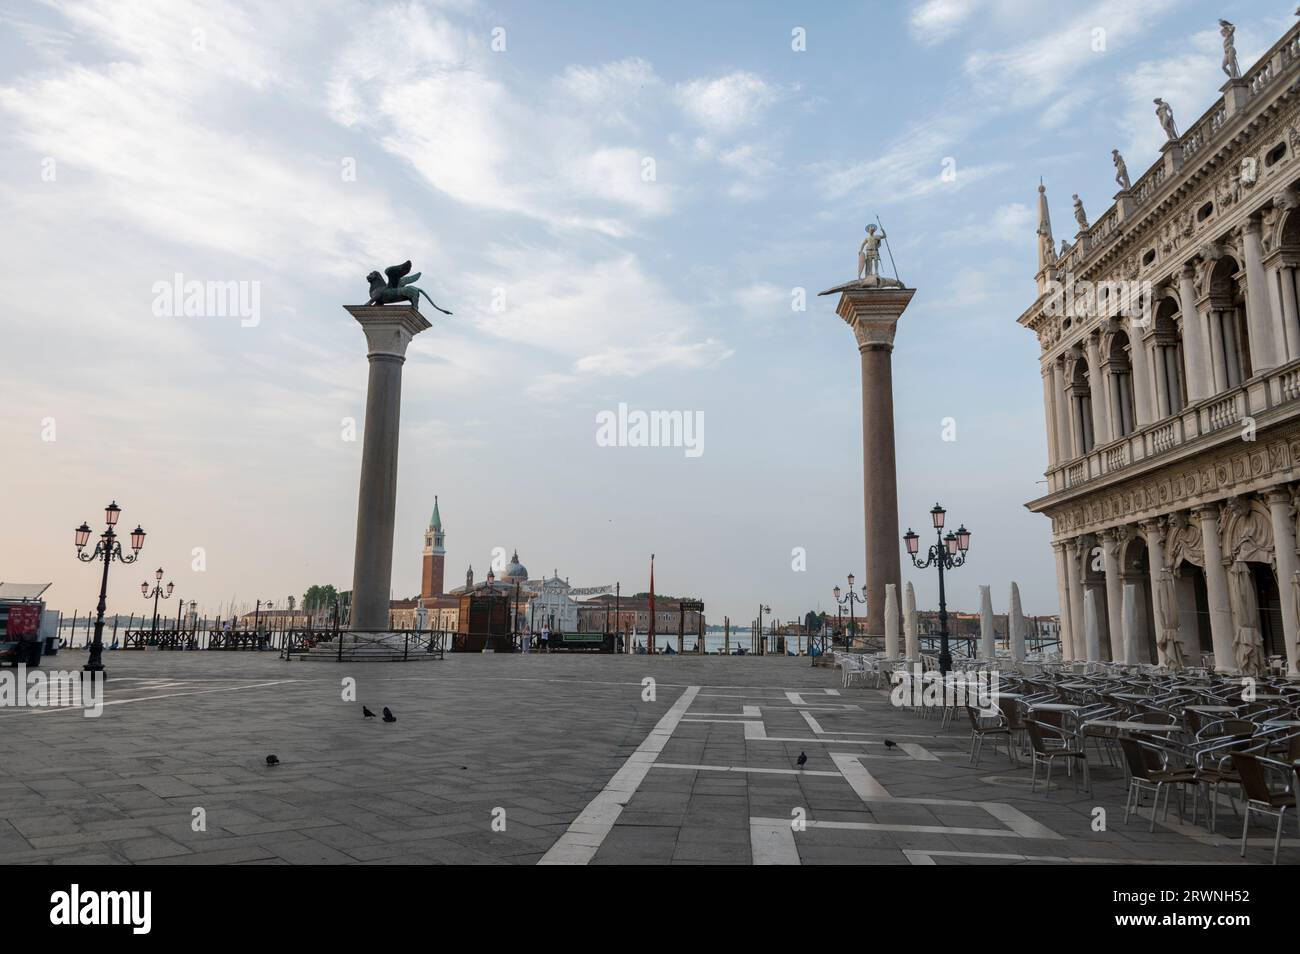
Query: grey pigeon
(388, 715)
(367, 713)
(802, 760)
(890, 744)
(272, 760)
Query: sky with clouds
(506, 148)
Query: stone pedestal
(388, 329)
(872, 307)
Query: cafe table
(1123, 725)
(1055, 706)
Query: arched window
(1168, 381)
(1119, 369)
(1079, 395)
(1229, 337)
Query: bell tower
(435, 556)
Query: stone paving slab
(564, 749)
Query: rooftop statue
(1230, 66)
(1166, 116)
(399, 287)
(1121, 170)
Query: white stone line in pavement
(757, 732)
(918, 856)
(771, 842)
(859, 779)
(796, 698)
(743, 768)
(169, 695)
(579, 844)
(881, 826)
(812, 722)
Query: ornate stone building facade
(1170, 337)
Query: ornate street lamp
(107, 549)
(157, 593)
(947, 553)
(849, 600)
(761, 648)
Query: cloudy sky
(619, 203)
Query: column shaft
(1114, 596)
(1064, 447)
(1284, 546)
(1063, 600)
(372, 575)
(1216, 586)
(1194, 334)
(880, 484)
(1263, 336)
(1138, 357)
(1154, 537)
(1100, 394)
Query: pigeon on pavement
(803, 758)
(367, 713)
(272, 760)
(388, 715)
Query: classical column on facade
(1063, 586)
(1080, 407)
(388, 330)
(1077, 553)
(1153, 533)
(1140, 359)
(1215, 304)
(1280, 265)
(1049, 409)
(1085, 608)
(1111, 541)
(1281, 508)
(1099, 390)
(1061, 402)
(1216, 589)
(872, 307)
(1195, 350)
(1259, 318)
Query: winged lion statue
(399, 286)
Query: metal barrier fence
(365, 646)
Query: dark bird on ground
(367, 713)
(890, 744)
(272, 760)
(802, 760)
(388, 715)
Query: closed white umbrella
(891, 621)
(1016, 625)
(911, 643)
(986, 622)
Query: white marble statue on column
(1247, 644)
(869, 254)
(1165, 113)
(1121, 170)
(1171, 647)
(1080, 216)
(1230, 66)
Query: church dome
(515, 570)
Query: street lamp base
(945, 662)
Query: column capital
(1252, 225)
(872, 311)
(388, 328)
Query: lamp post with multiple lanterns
(107, 549)
(947, 553)
(850, 599)
(158, 592)
(761, 646)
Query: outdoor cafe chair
(1260, 798)
(1148, 768)
(988, 724)
(1044, 754)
